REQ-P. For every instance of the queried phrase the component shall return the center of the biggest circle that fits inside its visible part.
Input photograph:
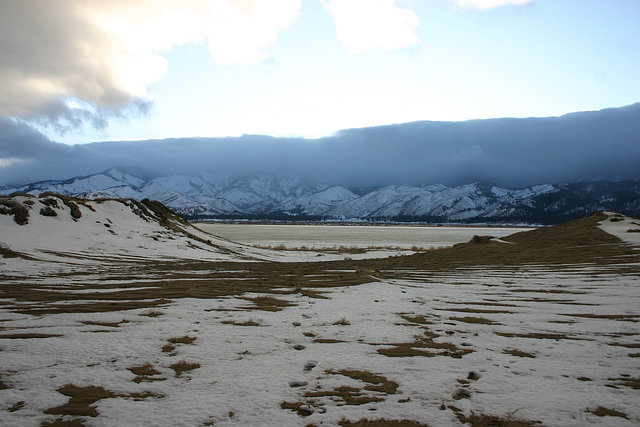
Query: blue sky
(113, 70)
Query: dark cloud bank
(584, 146)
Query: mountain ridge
(205, 195)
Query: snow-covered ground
(578, 364)
(555, 345)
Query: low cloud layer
(586, 146)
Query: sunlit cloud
(489, 4)
(239, 32)
(373, 24)
(106, 53)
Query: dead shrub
(19, 211)
(50, 202)
(47, 211)
(75, 209)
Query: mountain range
(206, 195)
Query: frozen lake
(327, 236)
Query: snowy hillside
(207, 195)
(66, 230)
(53, 227)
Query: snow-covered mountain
(279, 196)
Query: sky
(78, 72)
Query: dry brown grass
(601, 411)
(539, 336)
(184, 366)
(182, 340)
(627, 381)
(270, 303)
(380, 422)
(327, 340)
(422, 345)
(376, 389)
(25, 336)
(415, 319)
(147, 369)
(81, 399)
(250, 322)
(518, 353)
(106, 324)
(3, 386)
(61, 422)
(473, 320)
(152, 313)
(484, 420)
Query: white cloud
(373, 24)
(106, 53)
(489, 4)
(240, 31)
